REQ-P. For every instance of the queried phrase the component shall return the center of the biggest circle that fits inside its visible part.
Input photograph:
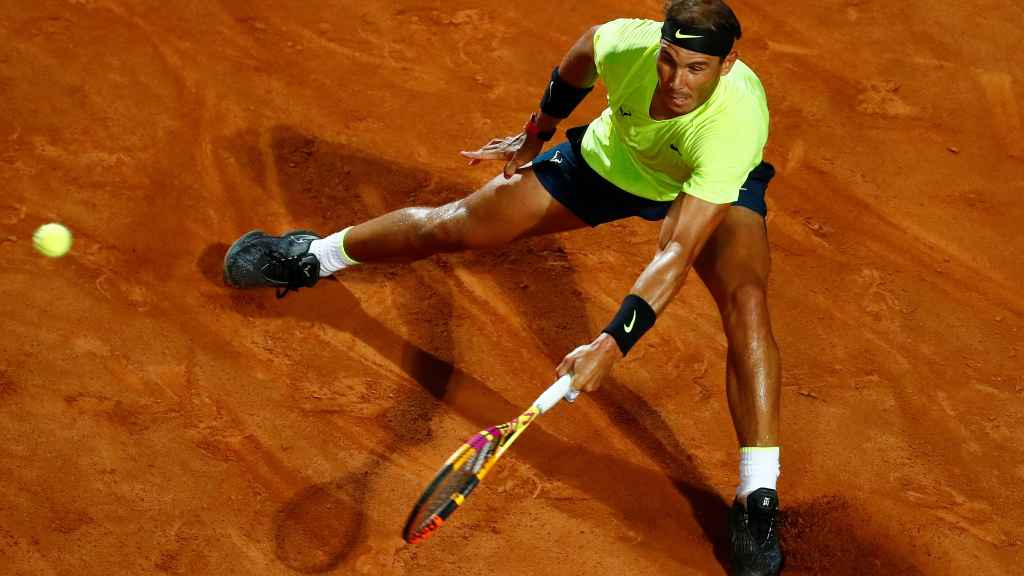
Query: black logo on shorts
(673, 146)
(624, 113)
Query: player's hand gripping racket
(471, 462)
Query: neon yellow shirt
(706, 153)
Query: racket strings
(460, 480)
(467, 468)
(478, 461)
(458, 477)
(463, 471)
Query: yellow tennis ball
(53, 240)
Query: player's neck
(660, 111)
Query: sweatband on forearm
(560, 97)
(634, 317)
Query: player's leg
(500, 211)
(734, 265)
(497, 213)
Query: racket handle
(562, 388)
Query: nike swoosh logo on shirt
(681, 36)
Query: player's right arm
(577, 70)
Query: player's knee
(442, 229)
(481, 220)
(747, 306)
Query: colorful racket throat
(468, 466)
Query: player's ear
(728, 61)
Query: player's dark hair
(713, 14)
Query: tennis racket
(464, 469)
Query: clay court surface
(154, 421)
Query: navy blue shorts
(567, 177)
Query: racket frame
(505, 434)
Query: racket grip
(562, 388)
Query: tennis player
(680, 142)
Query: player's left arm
(686, 228)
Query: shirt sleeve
(722, 165)
(620, 42)
(724, 158)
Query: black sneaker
(753, 535)
(259, 260)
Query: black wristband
(561, 98)
(634, 317)
(533, 129)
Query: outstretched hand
(591, 363)
(516, 151)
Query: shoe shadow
(210, 263)
(832, 535)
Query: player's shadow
(657, 517)
(641, 423)
(326, 185)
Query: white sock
(759, 468)
(330, 251)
